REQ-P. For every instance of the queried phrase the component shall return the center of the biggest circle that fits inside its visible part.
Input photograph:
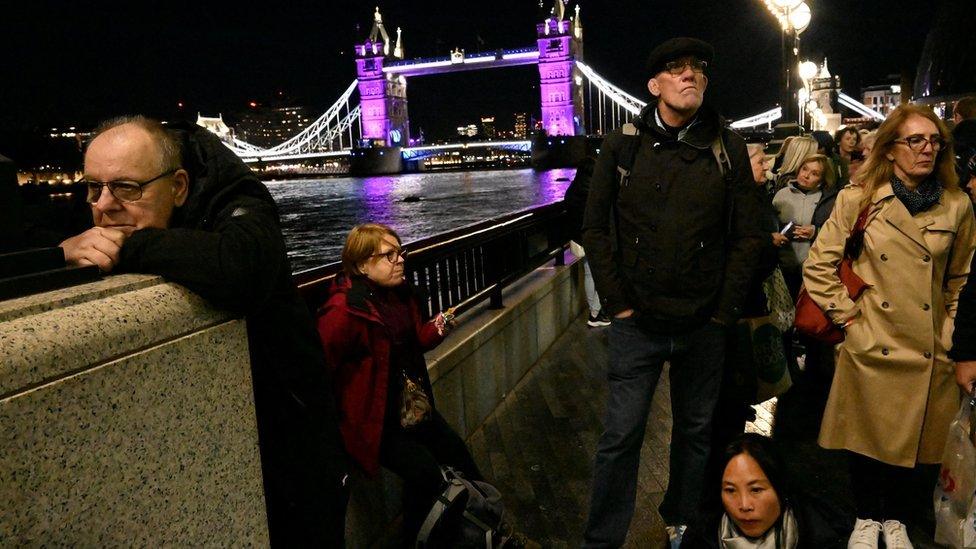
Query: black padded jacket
(677, 243)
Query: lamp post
(794, 18)
(807, 71)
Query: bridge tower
(560, 45)
(382, 96)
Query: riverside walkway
(538, 446)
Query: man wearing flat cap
(670, 230)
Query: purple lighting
(383, 77)
(559, 44)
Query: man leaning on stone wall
(172, 200)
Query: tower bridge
(575, 101)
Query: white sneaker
(675, 534)
(865, 534)
(895, 535)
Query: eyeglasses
(393, 255)
(124, 191)
(675, 68)
(917, 142)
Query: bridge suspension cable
(318, 136)
(858, 107)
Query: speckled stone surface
(128, 420)
(42, 341)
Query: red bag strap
(855, 242)
(862, 220)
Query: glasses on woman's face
(393, 255)
(917, 142)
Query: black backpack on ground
(467, 514)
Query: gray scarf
(924, 196)
(780, 536)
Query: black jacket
(824, 206)
(756, 303)
(964, 336)
(225, 244)
(676, 256)
(575, 199)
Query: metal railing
(469, 265)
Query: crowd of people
(698, 244)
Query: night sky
(74, 63)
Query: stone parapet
(128, 419)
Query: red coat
(357, 349)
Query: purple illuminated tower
(560, 44)
(383, 96)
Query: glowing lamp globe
(800, 17)
(808, 70)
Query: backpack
(467, 514)
(625, 163)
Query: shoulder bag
(810, 319)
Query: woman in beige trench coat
(894, 392)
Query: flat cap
(677, 48)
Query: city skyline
(140, 59)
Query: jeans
(636, 360)
(592, 298)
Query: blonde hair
(877, 169)
(363, 241)
(828, 176)
(867, 140)
(795, 152)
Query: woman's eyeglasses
(393, 255)
(917, 142)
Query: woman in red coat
(375, 341)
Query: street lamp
(808, 71)
(794, 17)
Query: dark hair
(839, 134)
(825, 140)
(966, 107)
(764, 451)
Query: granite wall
(128, 419)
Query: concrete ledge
(128, 419)
(492, 350)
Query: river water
(317, 214)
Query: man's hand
(780, 239)
(803, 232)
(626, 313)
(97, 246)
(966, 375)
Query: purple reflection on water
(377, 196)
(317, 214)
(553, 185)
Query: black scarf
(924, 196)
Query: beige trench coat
(894, 392)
